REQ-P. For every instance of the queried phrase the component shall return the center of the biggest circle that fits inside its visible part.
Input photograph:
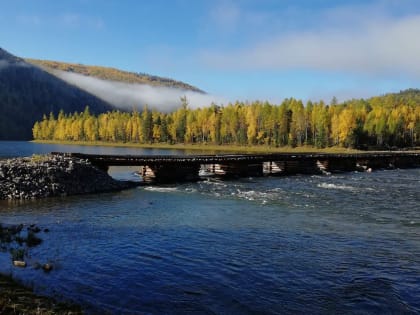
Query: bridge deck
(139, 160)
(177, 168)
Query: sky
(235, 50)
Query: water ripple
(344, 243)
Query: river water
(341, 243)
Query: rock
(34, 229)
(19, 263)
(47, 267)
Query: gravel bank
(43, 176)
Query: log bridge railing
(178, 168)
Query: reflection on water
(10, 149)
(345, 243)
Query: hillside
(27, 93)
(112, 74)
(8, 57)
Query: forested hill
(112, 74)
(27, 92)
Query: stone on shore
(19, 263)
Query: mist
(129, 96)
(5, 64)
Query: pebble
(47, 267)
(19, 263)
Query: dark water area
(10, 149)
(343, 243)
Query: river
(341, 243)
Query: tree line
(392, 120)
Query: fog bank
(5, 64)
(129, 96)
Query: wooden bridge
(178, 168)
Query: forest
(388, 121)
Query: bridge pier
(342, 164)
(102, 167)
(235, 170)
(292, 167)
(322, 165)
(386, 162)
(274, 167)
(406, 161)
(170, 173)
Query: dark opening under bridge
(178, 168)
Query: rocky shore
(43, 176)
(36, 177)
(16, 299)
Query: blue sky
(244, 49)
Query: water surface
(344, 243)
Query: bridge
(180, 168)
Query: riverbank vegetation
(388, 121)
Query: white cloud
(66, 20)
(75, 20)
(128, 96)
(226, 16)
(227, 19)
(29, 20)
(345, 40)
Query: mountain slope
(112, 74)
(27, 93)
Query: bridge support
(273, 168)
(406, 161)
(170, 173)
(291, 167)
(364, 164)
(101, 166)
(232, 170)
(342, 164)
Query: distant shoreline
(205, 147)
